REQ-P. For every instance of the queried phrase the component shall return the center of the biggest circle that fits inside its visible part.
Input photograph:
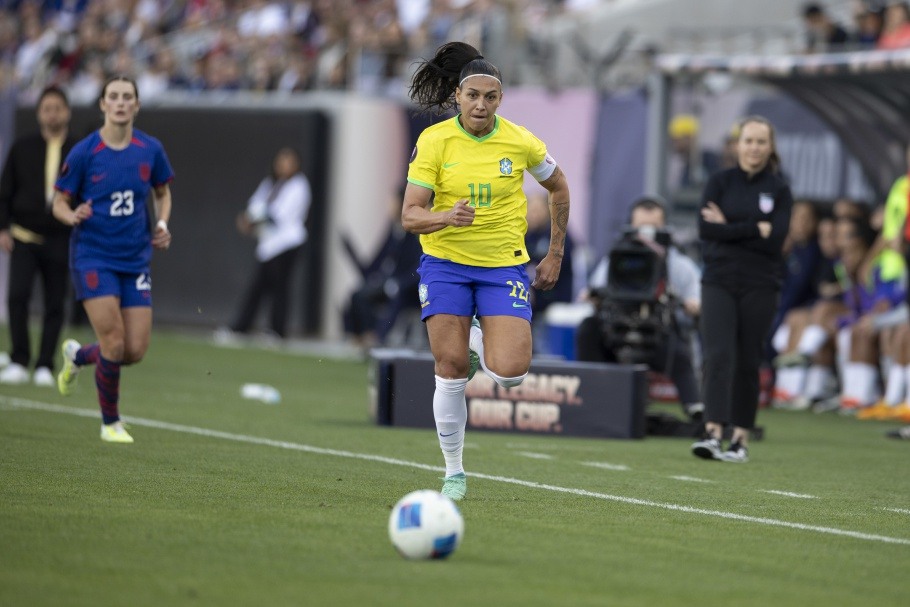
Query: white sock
(817, 380)
(843, 352)
(895, 385)
(812, 339)
(451, 414)
(884, 365)
(859, 382)
(790, 381)
(475, 342)
(781, 339)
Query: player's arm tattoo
(558, 187)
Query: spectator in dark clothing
(822, 34)
(827, 284)
(695, 165)
(867, 26)
(390, 282)
(802, 259)
(745, 217)
(537, 241)
(37, 243)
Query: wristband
(162, 224)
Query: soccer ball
(425, 524)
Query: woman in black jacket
(744, 219)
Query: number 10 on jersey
(481, 194)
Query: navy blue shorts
(132, 289)
(453, 288)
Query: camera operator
(673, 353)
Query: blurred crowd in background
(301, 45)
(257, 45)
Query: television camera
(636, 311)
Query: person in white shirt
(275, 214)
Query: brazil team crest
(505, 166)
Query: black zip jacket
(22, 198)
(734, 253)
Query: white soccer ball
(425, 524)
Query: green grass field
(223, 501)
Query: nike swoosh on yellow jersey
(449, 165)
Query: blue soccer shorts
(133, 289)
(447, 287)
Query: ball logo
(409, 516)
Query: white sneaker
(43, 378)
(224, 336)
(736, 454)
(14, 374)
(707, 448)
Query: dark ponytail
(434, 83)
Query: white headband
(486, 75)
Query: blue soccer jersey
(118, 184)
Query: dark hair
(434, 83)
(284, 151)
(860, 229)
(648, 203)
(118, 78)
(53, 90)
(812, 10)
(774, 159)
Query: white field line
(898, 510)
(534, 455)
(789, 494)
(242, 438)
(606, 466)
(691, 479)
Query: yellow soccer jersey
(892, 263)
(488, 172)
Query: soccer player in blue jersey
(472, 167)
(102, 193)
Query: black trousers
(734, 327)
(272, 279)
(674, 358)
(49, 262)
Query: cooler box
(562, 321)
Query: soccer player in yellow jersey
(472, 169)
